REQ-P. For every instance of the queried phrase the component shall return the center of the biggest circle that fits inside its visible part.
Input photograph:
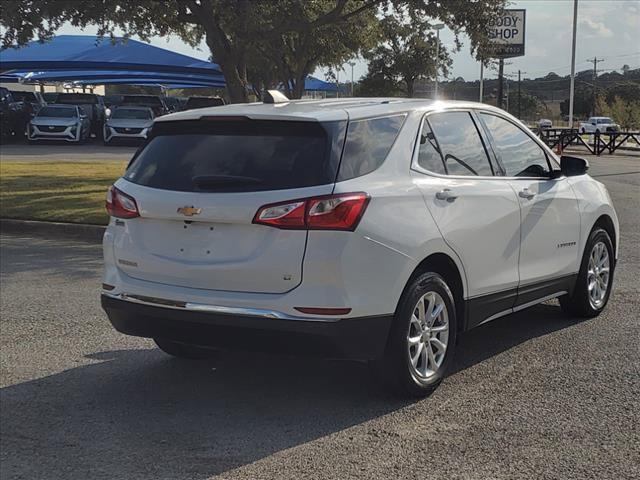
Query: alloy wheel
(598, 275)
(428, 335)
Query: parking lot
(534, 395)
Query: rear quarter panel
(372, 265)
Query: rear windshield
(77, 98)
(238, 155)
(132, 113)
(58, 112)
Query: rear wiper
(207, 182)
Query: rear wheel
(422, 340)
(595, 278)
(184, 350)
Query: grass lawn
(64, 192)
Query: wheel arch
(444, 265)
(605, 222)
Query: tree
(377, 85)
(406, 52)
(627, 91)
(625, 113)
(530, 106)
(302, 34)
(582, 101)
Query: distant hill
(550, 90)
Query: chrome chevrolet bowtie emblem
(189, 211)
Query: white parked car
(374, 229)
(545, 123)
(599, 125)
(59, 122)
(128, 123)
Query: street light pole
(352, 64)
(481, 79)
(573, 62)
(437, 28)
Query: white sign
(507, 34)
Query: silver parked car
(59, 122)
(128, 122)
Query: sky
(607, 29)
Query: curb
(78, 231)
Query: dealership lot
(532, 395)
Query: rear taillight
(121, 205)
(332, 212)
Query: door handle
(525, 193)
(446, 194)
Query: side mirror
(573, 166)
(593, 123)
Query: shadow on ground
(49, 259)
(141, 414)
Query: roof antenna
(274, 96)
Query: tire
(396, 369)
(184, 350)
(584, 302)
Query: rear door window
(367, 145)
(460, 144)
(238, 155)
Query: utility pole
(573, 62)
(595, 62)
(500, 82)
(519, 98)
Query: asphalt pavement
(534, 395)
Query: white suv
(374, 229)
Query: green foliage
(261, 41)
(626, 113)
(582, 102)
(377, 85)
(530, 106)
(627, 91)
(407, 52)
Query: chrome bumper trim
(206, 308)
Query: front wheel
(595, 278)
(422, 339)
(184, 350)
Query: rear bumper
(359, 338)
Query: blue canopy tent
(81, 52)
(101, 77)
(313, 84)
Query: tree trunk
(236, 87)
(298, 89)
(231, 63)
(409, 84)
